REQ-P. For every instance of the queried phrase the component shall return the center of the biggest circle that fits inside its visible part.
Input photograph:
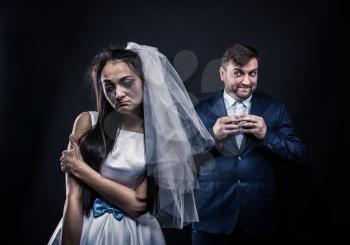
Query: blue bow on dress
(100, 207)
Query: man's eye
(253, 74)
(237, 73)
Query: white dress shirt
(236, 107)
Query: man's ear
(222, 73)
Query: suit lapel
(257, 107)
(218, 106)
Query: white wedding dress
(125, 165)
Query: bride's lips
(123, 103)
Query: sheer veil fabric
(173, 134)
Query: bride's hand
(71, 159)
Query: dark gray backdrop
(45, 50)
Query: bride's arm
(72, 222)
(131, 201)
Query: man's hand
(224, 127)
(254, 125)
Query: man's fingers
(231, 126)
(230, 131)
(250, 130)
(250, 118)
(227, 120)
(248, 125)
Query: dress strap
(93, 116)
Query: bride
(129, 166)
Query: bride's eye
(109, 89)
(127, 83)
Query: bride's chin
(122, 111)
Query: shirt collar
(229, 101)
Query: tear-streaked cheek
(136, 92)
(132, 90)
(112, 102)
(110, 98)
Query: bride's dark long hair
(97, 143)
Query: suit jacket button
(239, 158)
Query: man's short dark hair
(239, 54)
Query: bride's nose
(119, 93)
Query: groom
(236, 198)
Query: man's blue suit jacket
(240, 182)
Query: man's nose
(246, 80)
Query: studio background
(46, 49)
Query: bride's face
(122, 87)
